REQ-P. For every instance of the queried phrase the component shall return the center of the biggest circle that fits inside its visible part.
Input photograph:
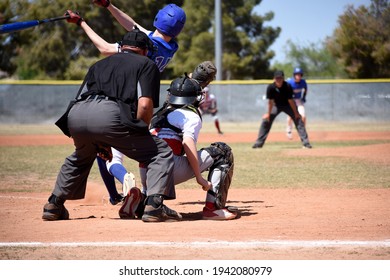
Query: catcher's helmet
(170, 20)
(298, 70)
(185, 91)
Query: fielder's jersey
(164, 53)
(298, 88)
(210, 102)
(187, 121)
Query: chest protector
(160, 118)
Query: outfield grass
(35, 168)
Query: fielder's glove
(74, 17)
(102, 3)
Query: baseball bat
(16, 26)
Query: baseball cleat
(307, 146)
(218, 214)
(53, 212)
(128, 183)
(161, 214)
(117, 200)
(257, 146)
(130, 204)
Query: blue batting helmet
(298, 70)
(170, 20)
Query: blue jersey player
(299, 87)
(168, 22)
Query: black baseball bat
(12, 27)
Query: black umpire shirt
(126, 77)
(280, 95)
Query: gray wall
(330, 101)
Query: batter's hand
(102, 3)
(74, 17)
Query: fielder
(299, 87)
(209, 106)
(169, 22)
(179, 122)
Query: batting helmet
(185, 91)
(298, 70)
(170, 20)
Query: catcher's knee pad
(221, 172)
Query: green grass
(35, 168)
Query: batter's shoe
(128, 183)
(131, 204)
(218, 214)
(257, 146)
(53, 212)
(161, 214)
(114, 201)
(307, 146)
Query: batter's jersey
(165, 51)
(298, 88)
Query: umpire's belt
(99, 97)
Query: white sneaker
(128, 183)
(218, 214)
(289, 135)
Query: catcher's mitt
(204, 73)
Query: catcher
(179, 122)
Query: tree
(362, 40)
(245, 39)
(315, 59)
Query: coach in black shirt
(114, 109)
(280, 99)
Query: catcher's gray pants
(97, 122)
(182, 169)
(266, 125)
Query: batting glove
(74, 17)
(102, 3)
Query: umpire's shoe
(155, 211)
(55, 210)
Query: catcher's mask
(185, 91)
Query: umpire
(114, 110)
(280, 99)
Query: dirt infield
(274, 223)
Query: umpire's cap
(278, 73)
(137, 38)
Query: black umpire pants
(266, 125)
(97, 122)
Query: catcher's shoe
(53, 212)
(218, 214)
(161, 214)
(132, 203)
(128, 183)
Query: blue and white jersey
(164, 53)
(298, 88)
